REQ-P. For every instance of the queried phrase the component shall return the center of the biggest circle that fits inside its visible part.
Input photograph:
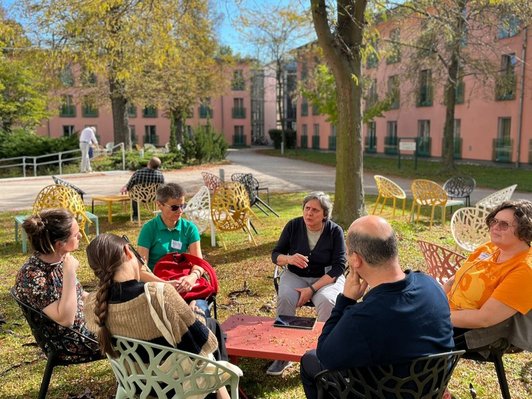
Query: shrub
(205, 145)
(24, 143)
(276, 136)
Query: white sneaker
(277, 367)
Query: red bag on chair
(175, 265)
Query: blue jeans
(310, 366)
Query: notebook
(285, 321)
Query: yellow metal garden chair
(430, 193)
(231, 210)
(59, 196)
(388, 189)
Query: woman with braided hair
(121, 305)
(48, 280)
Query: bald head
(154, 163)
(373, 239)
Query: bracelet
(313, 289)
(196, 272)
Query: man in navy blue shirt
(403, 316)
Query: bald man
(403, 316)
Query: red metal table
(256, 337)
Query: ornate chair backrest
(59, 196)
(249, 182)
(387, 188)
(425, 377)
(428, 192)
(211, 181)
(442, 262)
(146, 369)
(230, 207)
(145, 193)
(468, 227)
(491, 201)
(198, 209)
(58, 180)
(459, 186)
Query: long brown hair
(105, 255)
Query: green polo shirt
(161, 240)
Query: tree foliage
(23, 92)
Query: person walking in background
(404, 316)
(149, 174)
(87, 137)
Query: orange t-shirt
(481, 278)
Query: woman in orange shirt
(495, 281)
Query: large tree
(275, 30)
(118, 40)
(340, 35)
(23, 92)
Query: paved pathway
(279, 174)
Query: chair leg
(432, 216)
(267, 206)
(383, 203)
(47, 376)
(404, 205)
(213, 234)
(376, 204)
(393, 212)
(501, 376)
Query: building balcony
(332, 143)
(315, 142)
(457, 147)
(370, 144)
(502, 150)
(239, 140)
(304, 142)
(67, 111)
(390, 145)
(151, 139)
(424, 145)
(239, 113)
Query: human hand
(70, 264)
(298, 260)
(354, 286)
(123, 190)
(305, 294)
(185, 283)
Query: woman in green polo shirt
(169, 232)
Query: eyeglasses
(137, 255)
(503, 225)
(175, 208)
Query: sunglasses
(137, 255)
(175, 208)
(503, 225)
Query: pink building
(238, 113)
(491, 123)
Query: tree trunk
(119, 103)
(341, 50)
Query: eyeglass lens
(503, 225)
(175, 208)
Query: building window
(506, 81)
(423, 128)
(68, 108)
(304, 127)
(133, 132)
(372, 96)
(89, 108)
(315, 110)
(68, 130)
(304, 107)
(394, 53)
(149, 112)
(460, 92)
(394, 91)
(370, 143)
(304, 71)
(316, 131)
(132, 111)
(150, 135)
(238, 83)
(67, 76)
(508, 26)
(205, 110)
(504, 129)
(239, 112)
(239, 138)
(372, 60)
(425, 88)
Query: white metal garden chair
(198, 211)
(143, 369)
(498, 197)
(468, 227)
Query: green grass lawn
(240, 266)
